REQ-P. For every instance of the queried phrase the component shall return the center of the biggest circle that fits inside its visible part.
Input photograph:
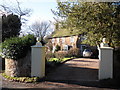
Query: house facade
(67, 42)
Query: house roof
(64, 33)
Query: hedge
(17, 47)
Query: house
(66, 40)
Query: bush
(50, 46)
(49, 55)
(57, 48)
(74, 52)
(60, 54)
(17, 47)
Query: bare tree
(41, 29)
(16, 10)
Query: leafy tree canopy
(93, 19)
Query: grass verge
(21, 79)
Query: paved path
(80, 69)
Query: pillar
(38, 61)
(106, 63)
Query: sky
(41, 9)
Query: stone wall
(18, 68)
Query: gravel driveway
(80, 73)
(80, 69)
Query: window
(71, 39)
(83, 47)
(57, 40)
(65, 48)
(63, 40)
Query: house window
(63, 40)
(65, 48)
(53, 40)
(83, 47)
(57, 40)
(71, 39)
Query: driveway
(80, 69)
(76, 74)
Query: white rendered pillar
(38, 61)
(106, 63)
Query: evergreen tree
(11, 26)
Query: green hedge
(17, 47)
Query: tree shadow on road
(81, 76)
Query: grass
(21, 79)
(53, 62)
(58, 60)
(64, 59)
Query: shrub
(17, 47)
(50, 46)
(57, 48)
(60, 54)
(49, 55)
(74, 52)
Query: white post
(38, 61)
(106, 63)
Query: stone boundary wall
(18, 68)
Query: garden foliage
(60, 54)
(57, 48)
(74, 52)
(49, 55)
(17, 47)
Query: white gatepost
(106, 63)
(38, 60)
